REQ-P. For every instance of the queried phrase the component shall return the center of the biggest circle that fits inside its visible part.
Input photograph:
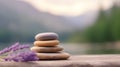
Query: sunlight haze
(70, 7)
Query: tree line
(105, 29)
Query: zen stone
(46, 43)
(53, 56)
(47, 49)
(46, 36)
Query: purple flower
(18, 53)
(14, 47)
(21, 47)
(8, 49)
(22, 57)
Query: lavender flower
(22, 57)
(17, 53)
(14, 48)
(16, 45)
(21, 47)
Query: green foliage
(105, 29)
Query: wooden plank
(73, 61)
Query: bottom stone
(53, 56)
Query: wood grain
(73, 61)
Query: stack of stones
(47, 47)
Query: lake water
(75, 49)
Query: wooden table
(73, 61)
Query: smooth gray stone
(46, 36)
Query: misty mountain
(20, 21)
(84, 20)
(21, 16)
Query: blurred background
(84, 26)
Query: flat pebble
(46, 36)
(47, 49)
(53, 56)
(46, 43)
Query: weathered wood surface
(73, 61)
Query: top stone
(46, 36)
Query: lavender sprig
(22, 57)
(14, 48)
(8, 49)
(15, 53)
(20, 47)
